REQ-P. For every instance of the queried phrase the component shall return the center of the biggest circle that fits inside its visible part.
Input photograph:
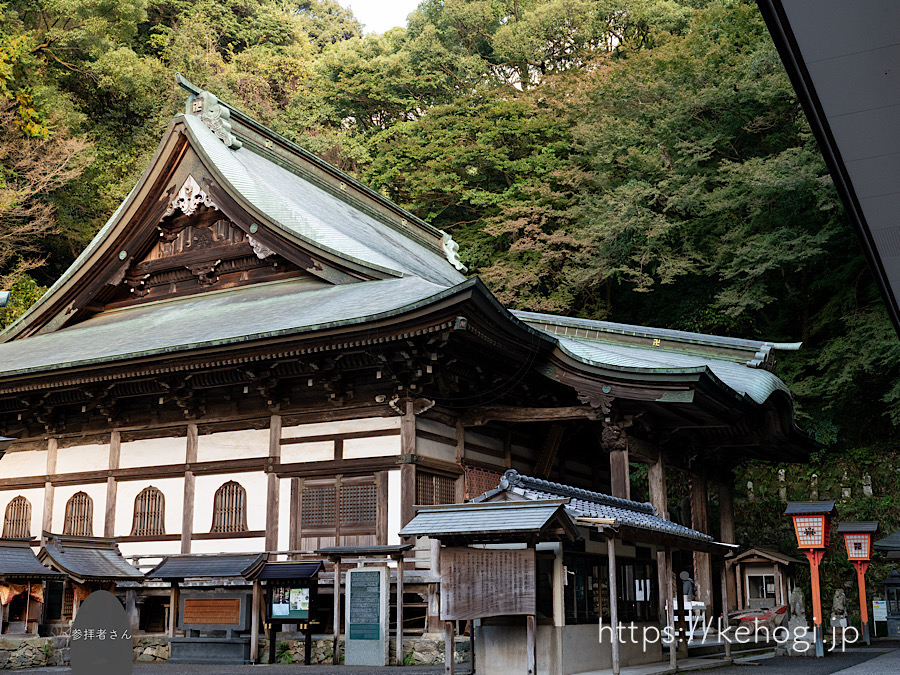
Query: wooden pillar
(656, 477)
(408, 470)
(47, 520)
(726, 529)
(109, 522)
(724, 626)
(449, 657)
(460, 492)
(254, 622)
(700, 522)
(530, 644)
(173, 609)
(187, 513)
(131, 610)
(739, 584)
(274, 482)
(399, 649)
(619, 478)
(670, 608)
(337, 613)
(613, 604)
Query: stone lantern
(892, 599)
(812, 525)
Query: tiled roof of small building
(588, 504)
(216, 566)
(93, 558)
(17, 561)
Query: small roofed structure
(889, 545)
(765, 577)
(22, 579)
(216, 598)
(561, 558)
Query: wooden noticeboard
(477, 583)
(212, 611)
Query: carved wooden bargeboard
(477, 583)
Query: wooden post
(726, 528)
(656, 477)
(725, 607)
(109, 522)
(531, 644)
(254, 623)
(187, 512)
(700, 522)
(613, 603)
(173, 609)
(47, 519)
(670, 609)
(307, 643)
(399, 649)
(620, 481)
(861, 567)
(274, 483)
(449, 659)
(337, 613)
(273, 641)
(28, 606)
(739, 585)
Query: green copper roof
(212, 318)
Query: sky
(381, 15)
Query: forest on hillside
(640, 161)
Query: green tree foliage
(644, 161)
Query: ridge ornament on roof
(189, 198)
(215, 116)
(451, 251)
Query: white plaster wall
(153, 452)
(379, 446)
(241, 545)
(62, 494)
(33, 495)
(317, 451)
(126, 491)
(284, 514)
(25, 463)
(393, 507)
(82, 458)
(436, 427)
(233, 445)
(150, 548)
(341, 427)
(254, 482)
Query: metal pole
(613, 603)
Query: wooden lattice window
(79, 515)
(17, 522)
(230, 508)
(434, 489)
(319, 507)
(479, 481)
(149, 513)
(359, 505)
(327, 508)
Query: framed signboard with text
(291, 602)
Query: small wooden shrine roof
(87, 558)
(210, 566)
(286, 570)
(18, 561)
(766, 554)
(475, 523)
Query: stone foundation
(33, 652)
(19, 653)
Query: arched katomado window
(149, 513)
(79, 515)
(230, 508)
(17, 522)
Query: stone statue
(797, 605)
(839, 604)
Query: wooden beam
(477, 417)
(548, 452)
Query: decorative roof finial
(214, 115)
(451, 252)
